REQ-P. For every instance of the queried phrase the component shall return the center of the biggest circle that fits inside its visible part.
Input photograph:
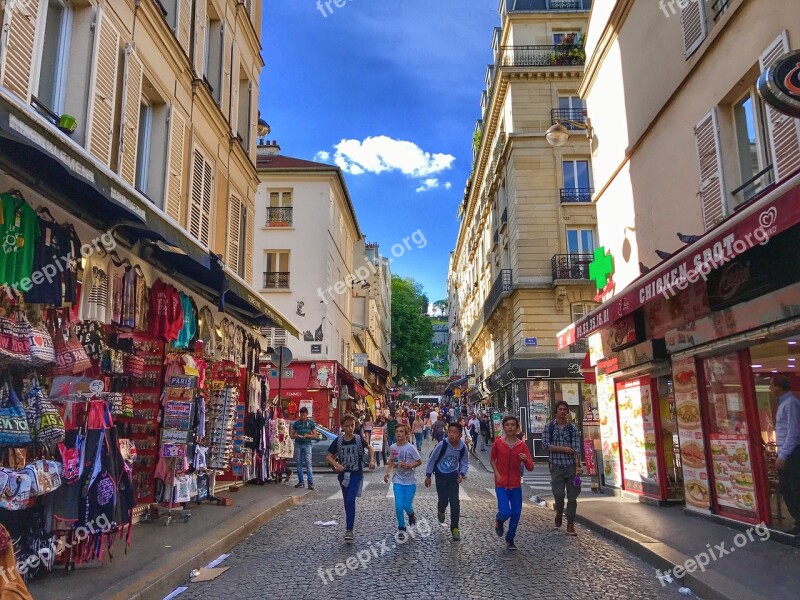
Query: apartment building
(519, 270)
(697, 178)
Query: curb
(163, 579)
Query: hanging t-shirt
(206, 330)
(19, 233)
(117, 286)
(70, 274)
(140, 312)
(129, 297)
(175, 314)
(50, 257)
(94, 292)
(91, 333)
(189, 323)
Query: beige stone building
(519, 271)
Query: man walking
(562, 440)
(474, 431)
(302, 432)
(507, 456)
(787, 429)
(438, 430)
(391, 426)
(450, 462)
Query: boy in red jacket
(506, 457)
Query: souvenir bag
(16, 494)
(134, 365)
(71, 357)
(14, 429)
(114, 400)
(44, 420)
(15, 346)
(45, 476)
(70, 463)
(42, 352)
(117, 362)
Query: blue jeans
(418, 437)
(426, 433)
(350, 493)
(404, 501)
(392, 440)
(304, 458)
(509, 506)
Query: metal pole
(280, 376)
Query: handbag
(71, 357)
(14, 342)
(14, 429)
(45, 476)
(134, 365)
(117, 362)
(44, 420)
(42, 352)
(16, 494)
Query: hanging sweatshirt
(508, 462)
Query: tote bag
(14, 430)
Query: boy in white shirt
(404, 459)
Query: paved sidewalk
(667, 537)
(160, 557)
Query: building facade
(698, 181)
(519, 270)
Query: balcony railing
(542, 56)
(753, 186)
(568, 114)
(502, 285)
(579, 347)
(550, 5)
(576, 194)
(571, 266)
(504, 218)
(276, 280)
(279, 216)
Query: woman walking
(367, 425)
(418, 428)
(426, 431)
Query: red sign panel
(588, 457)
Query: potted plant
(67, 124)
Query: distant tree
(440, 306)
(412, 331)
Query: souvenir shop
(129, 357)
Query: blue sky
(350, 87)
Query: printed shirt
(787, 425)
(451, 461)
(562, 437)
(348, 455)
(19, 233)
(301, 428)
(407, 453)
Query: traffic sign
(282, 356)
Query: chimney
(268, 148)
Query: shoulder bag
(14, 429)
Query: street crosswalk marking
(462, 493)
(338, 495)
(541, 482)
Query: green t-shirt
(19, 232)
(301, 428)
(392, 426)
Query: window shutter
(712, 188)
(183, 24)
(131, 103)
(199, 221)
(205, 229)
(104, 83)
(19, 33)
(177, 137)
(199, 37)
(784, 131)
(248, 257)
(234, 111)
(693, 21)
(224, 94)
(234, 226)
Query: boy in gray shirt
(450, 462)
(404, 459)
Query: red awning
(776, 212)
(360, 390)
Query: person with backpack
(404, 459)
(346, 456)
(562, 440)
(507, 454)
(438, 430)
(450, 461)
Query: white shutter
(234, 227)
(712, 188)
(177, 138)
(183, 24)
(224, 93)
(199, 37)
(784, 131)
(205, 230)
(129, 125)
(19, 34)
(234, 112)
(248, 257)
(100, 131)
(693, 21)
(199, 219)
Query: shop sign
(174, 436)
(630, 357)
(316, 348)
(183, 381)
(779, 85)
(601, 268)
(293, 394)
(376, 439)
(588, 457)
(636, 407)
(360, 360)
(624, 332)
(609, 432)
(569, 392)
(173, 450)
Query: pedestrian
(450, 462)
(506, 456)
(426, 427)
(402, 418)
(404, 458)
(391, 426)
(787, 429)
(346, 456)
(562, 440)
(484, 432)
(418, 428)
(367, 425)
(382, 452)
(465, 434)
(438, 430)
(474, 430)
(303, 431)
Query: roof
(289, 164)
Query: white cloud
(428, 184)
(381, 153)
(322, 155)
(448, 185)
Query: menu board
(639, 447)
(733, 475)
(690, 434)
(538, 405)
(609, 433)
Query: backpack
(571, 429)
(359, 446)
(462, 451)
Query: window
(236, 214)
(276, 272)
(244, 240)
(571, 103)
(54, 55)
(581, 309)
(576, 174)
(200, 202)
(753, 153)
(568, 38)
(151, 154)
(580, 241)
(243, 115)
(279, 211)
(212, 67)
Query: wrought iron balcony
(579, 347)
(576, 194)
(571, 266)
(276, 280)
(542, 56)
(568, 114)
(502, 285)
(279, 216)
(550, 5)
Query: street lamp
(558, 134)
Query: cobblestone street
(289, 556)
